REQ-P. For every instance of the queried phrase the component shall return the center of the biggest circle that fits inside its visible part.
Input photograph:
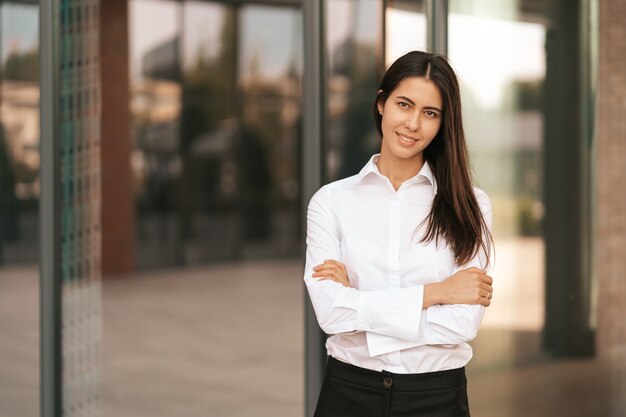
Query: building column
(610, 199)
(118, 218)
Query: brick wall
(610, 183)
(117, 195)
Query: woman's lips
(408, 140)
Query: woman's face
(411, 118)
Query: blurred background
(182, 231)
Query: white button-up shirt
(378, 322)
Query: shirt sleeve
(394, 312)
(449, 324)
(442, 324)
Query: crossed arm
(468, 286)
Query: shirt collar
(371, 169)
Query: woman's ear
(379, 106)
(379, 102)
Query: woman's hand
(332, 270)
(469, 286)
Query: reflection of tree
(8, 199)
(208, 86)
(356, 61)
(207, 100)
(230, 172)
(226, 164)
(256, 181)
(524, 95)
(22, 66)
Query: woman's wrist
(433, 294)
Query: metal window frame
(437, 26)
(49, 214)
(313, 123)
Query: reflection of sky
(271, 39)
(19, 28)
(270, 35)
(488, 54)
(152, 23)
(203, 29)
(406, 31)
(351, 18)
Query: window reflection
(216, 116)
(19, 115)
(19, 202)
(503, 119)
(155, 111)
(353, 36)
(503, 123)
(217, 119)
(505, 55)
(405, 24)
(269, 146)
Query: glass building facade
(153, 197)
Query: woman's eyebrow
(407, 99)
(413, 104)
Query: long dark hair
(455, 214)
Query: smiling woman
(400, 284)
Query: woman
(396, 256)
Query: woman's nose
(412, 122)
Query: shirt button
(387, 382)
(372, 326)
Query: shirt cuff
(394, 314)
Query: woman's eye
(430, 113)
(403, 104)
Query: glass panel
(405, 26)
(503, 123)
(513, 59)
(80, 202)
(269, 77)
(215, 305)
(155, 111)
(19, 206)
(503, 119)
(353, 36)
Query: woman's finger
(325, 265)
(330, 264)
(344, 283)
(324, 274)
(326, 268)
(332, 270)
(341, 280)
(327, 272)
(334, 262)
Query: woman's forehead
(419, 89)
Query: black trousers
(351, 391)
